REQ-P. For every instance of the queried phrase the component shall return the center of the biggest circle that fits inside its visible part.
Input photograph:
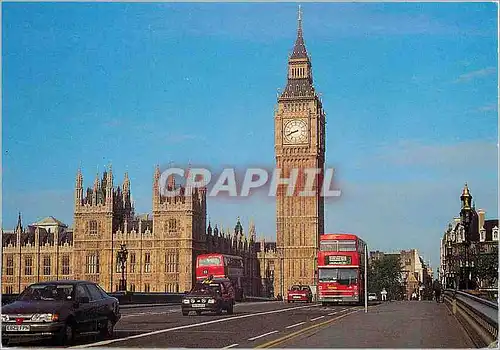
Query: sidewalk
(398, 324)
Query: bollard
(454, 306)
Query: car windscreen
(47, 292)
(206, 288)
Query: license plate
(198, 305)
(17, 328)
(296, 296)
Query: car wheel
(218, 311)
(107, 330)
(66, 335)
(5, 342)
(185, 313)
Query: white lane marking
(150, 313)
(262, 335)
(332, 313)
(295, 325)
(160, 331)
(317, 318)
(230, 346)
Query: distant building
(414, 272)
(469, 248)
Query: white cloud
(476, 74)
(462, 155)
(489, 107)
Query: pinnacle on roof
(299, 50)
(19, 226)
(465, 191)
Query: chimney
(481, 215)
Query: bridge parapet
(477, 315)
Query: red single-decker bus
(221, 266)
(341, 268)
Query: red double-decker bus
(341, 268)
(222, 266)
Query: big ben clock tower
(299, 126)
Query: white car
(372, 296)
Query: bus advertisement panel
(341, 267)
(221, 266)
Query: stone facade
(162, 247)
(469, 250)
(416, 275)
(299, 144)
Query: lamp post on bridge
(122, 257)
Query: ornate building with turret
(469, 248)
(162, 247)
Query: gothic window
(132, 262)
(132, 287)
(147, 262)
(172, 225)
(93, 227)
(28, 266)
(171, 261)
(495, 234)
(118, 265)
(9, 269)
(9, 290)
(65, 265)
(46, 265)
(92, 263)
(146, 287)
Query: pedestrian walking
(383, 293)
(437, 290)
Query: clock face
(295, 131)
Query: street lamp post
(122, 257)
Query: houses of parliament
(163, 246)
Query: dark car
(59, 310)
(215, 296)
(299, 293)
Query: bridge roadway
(276, 324)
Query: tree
(487, 268)
(386, 273)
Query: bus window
(337, 246)
(341, 276)
(210, 261)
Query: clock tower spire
(299, 123)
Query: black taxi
(211, 295)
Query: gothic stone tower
(98, 214)
(179, 223)
(299, 144)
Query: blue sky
(410, 91)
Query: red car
(299, 293)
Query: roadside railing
(136, 298)
(478, 316)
